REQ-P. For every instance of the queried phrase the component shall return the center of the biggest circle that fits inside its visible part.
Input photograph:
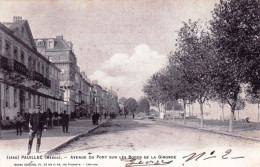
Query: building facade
(25, 79)
(60, 53)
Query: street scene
(130, 83)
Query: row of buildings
(45, 72)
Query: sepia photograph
(126, 83)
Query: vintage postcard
(128, 83)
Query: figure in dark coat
(97, 118)
(94, 119)
(37, 123)
(19, 123)
(65, 122)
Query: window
(42, 69)
(15, 98)
(38, 101)
(15, 53)
(51, 44)
(34, 100)
(7, 48)
(29, 100)
(63, 57)
(38, 67)
(40, 43)
(22, 31)
(22, 57)
(7, 96)
(46, 73)
(29, 62)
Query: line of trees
(213, 60)
(131, 106)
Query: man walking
(65, 122)
(37, 123)
(94, 119)
(19, 123)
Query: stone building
(97, 92)
(25, 76)
(60, 53)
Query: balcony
(15, 66)
(36, 80)
(47, 82)
(17, 71)
(38, 77)
(3, 63)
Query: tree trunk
(258, 112)
(192, 109)
(189, 110)
(232, 115)
(184, 113)
(201, 114)
(158, 106)
(237, 114)
(223, 115)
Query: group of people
(19, 122)
(37, 124)
(95, 118)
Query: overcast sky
(120, 43)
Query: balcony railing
(3, 63)
(15, 66)
(38, 77)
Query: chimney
(59, 37)
(83, 74)
(70, 44)
(15, 18)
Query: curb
(218, 132)
(74, 139)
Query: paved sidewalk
(250, 131)
(11, 144)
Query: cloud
(128, 73)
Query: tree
(240, 106)
(153, 90)
(168, 106)
(195, 59)
(253, 97)
(178, 88)
(222, 104)
(131, 105)
(122, 100)
(144, 106)
(235, 28)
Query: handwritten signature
(131, 162)
(138, 162)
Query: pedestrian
(106, 115)
(19, 123)
(100, 116)
(133, 116)
(65, 122)
(94, 119)
(97, 118)
(37, 123)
